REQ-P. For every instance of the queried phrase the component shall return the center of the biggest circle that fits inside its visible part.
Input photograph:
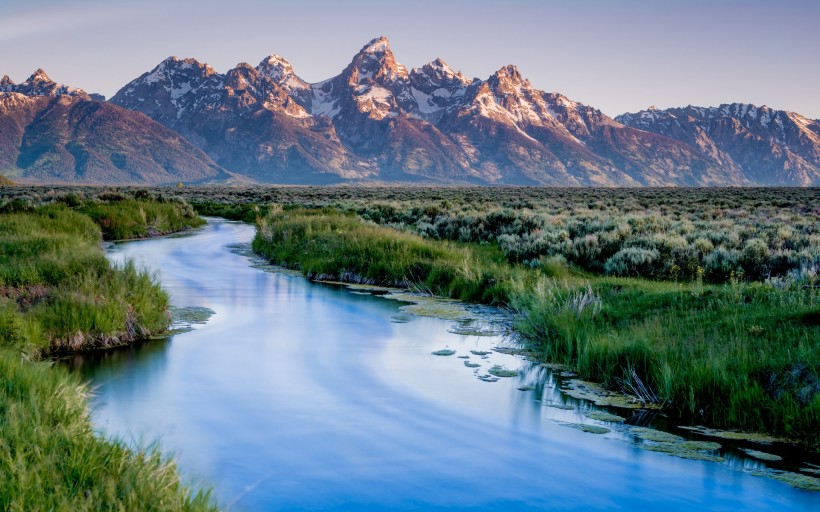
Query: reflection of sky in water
(301, 396)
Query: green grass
(325, 244)
(134, 218)
(50, 459)
(58, 293)
(740, 355)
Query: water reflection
(301, 396)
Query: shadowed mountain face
(760, 144)
(377, 120)
(53, 133)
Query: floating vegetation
(498, 371)
(650, 434)
(190, 315)
(664, 442)
(761, 455)
(680, 450)
(604, 416)
(425, 305)
(753, 437)
(708, 446)
(468, 364)
(796, 480)
(813, 470)
(487, 378)
(479, 352)
(596, 394)
(583, 427)
(526, 388)
(444, 352)
(464, 357)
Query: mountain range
(378, 121)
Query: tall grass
(134, 218)
(50, 459)
(325, 244)
(59, 289)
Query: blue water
(298, 396)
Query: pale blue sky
(616, 55)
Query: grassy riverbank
(59, 293)
(737, 355)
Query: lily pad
(487, 378)
(701, 446)
(734, 435)
(650, 434)
(444, 352)
(468, 364)
(680, 450)
(761, 455)
(479, 352)
(583, 427)
(798, 480)
(604, 416)
(584, 390)
(191, 315)
(498, 371)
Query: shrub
(632, 261)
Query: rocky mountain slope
(378, 120)
(53, 133)
(763, 145)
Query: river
(304, 396)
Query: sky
(615, 55)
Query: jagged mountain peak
(39, 84)
(39, 76)
(509, 71)
(275, 66)
(278, 69)
(441, 72)
(375, 62)
(377, 45)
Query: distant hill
(53, 133)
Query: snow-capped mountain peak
(39, 84)
(38, 76)
(376, 62)
(281, 72)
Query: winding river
(303, 396)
